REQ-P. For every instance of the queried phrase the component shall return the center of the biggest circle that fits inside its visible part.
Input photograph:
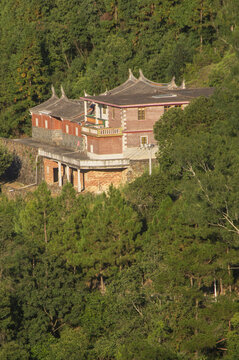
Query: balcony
(93, 120)
(101, 132)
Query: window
(77, 133)
(67, 129)
(46, 124)
(113, 113)
(178, 106)
(91, 148)
(143, 140)
(37, 124)
(141, 113)
(104, 107)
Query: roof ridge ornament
(85, 93)
(63, 92)
(53, 91)
(141, 75)
(105, 93)
(131, 75)
(172, 85)
(143, 78)
(183, 85)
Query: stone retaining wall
(57, 137)
(27, 166)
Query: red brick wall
(105, 145)
(133, 139)
(75, 179)
(116, 121)
(53, 124)
(45, 118)
(71, 126)
(100, 180)
(49, 165)
(152, 114)
(56, 124)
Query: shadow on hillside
(13, 172)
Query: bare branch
(226, 217)
(137, 309)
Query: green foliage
(13, 351)
(150, 273)
(5, 160)
(232, 338)
(108, 236)
(90, 45)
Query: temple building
(98, 140)
(126, 115)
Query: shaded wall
(27, 166)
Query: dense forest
(151, 270)
(90, 45)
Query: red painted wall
(53, 124)
(71, 127)
(56, 124)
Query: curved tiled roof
(159, 97)
(62, 108)
(140, 85)
(143, 91)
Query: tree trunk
(229, 272)
(102, 285)
(221, 287)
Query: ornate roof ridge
(172, 85)
(53, 92)
(183, 85)
(63, 95)
(150, 82)
(130, 78)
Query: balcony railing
(101, 132)
(93, 120)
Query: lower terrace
(63, 165)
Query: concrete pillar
(59, 174)
(97, 113)
(68, 173)
(85, 108)
(78, 181)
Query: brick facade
(100, 180)
(51, 174)
(134, 139)
(104, 145)
(114, 117)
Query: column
(79, 181)
(59, 174)
(85, 108)
(97, 113)
(68, 173)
